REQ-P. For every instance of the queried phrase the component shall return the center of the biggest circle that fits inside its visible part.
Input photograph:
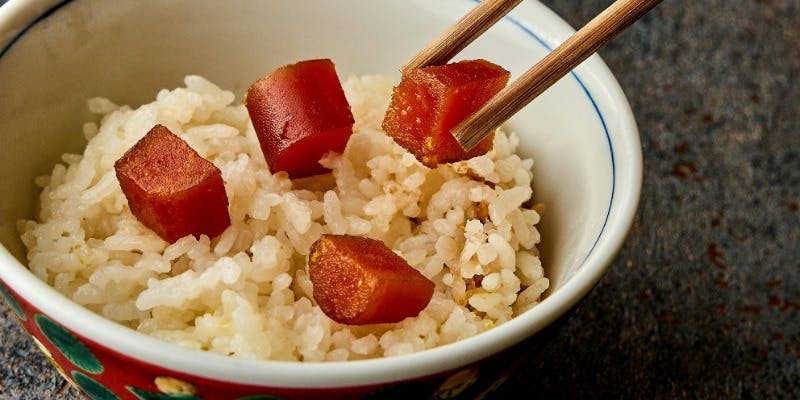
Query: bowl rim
(604, 91)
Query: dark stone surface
(703, 300)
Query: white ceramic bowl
(56, 54)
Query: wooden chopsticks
(462, 33)
(585, 42)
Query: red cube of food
(171, 189)
(359, 281)
(300, 113)
(430, 101)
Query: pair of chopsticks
(585, 42)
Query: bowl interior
(56, 54)
(128, 51)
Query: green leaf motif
(72, 348)
(145, 395)
(95, 390)
(12, 301)
(457, 384)
(401, 391)
(260, 397)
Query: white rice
(247, 293)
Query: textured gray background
(704, 298)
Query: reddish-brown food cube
(430, 101)
(171, 189)
(300, 113)
(359, 281)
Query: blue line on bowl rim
(577, 78)
(509, 18)
(31, 25)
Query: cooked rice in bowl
(468, 226)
